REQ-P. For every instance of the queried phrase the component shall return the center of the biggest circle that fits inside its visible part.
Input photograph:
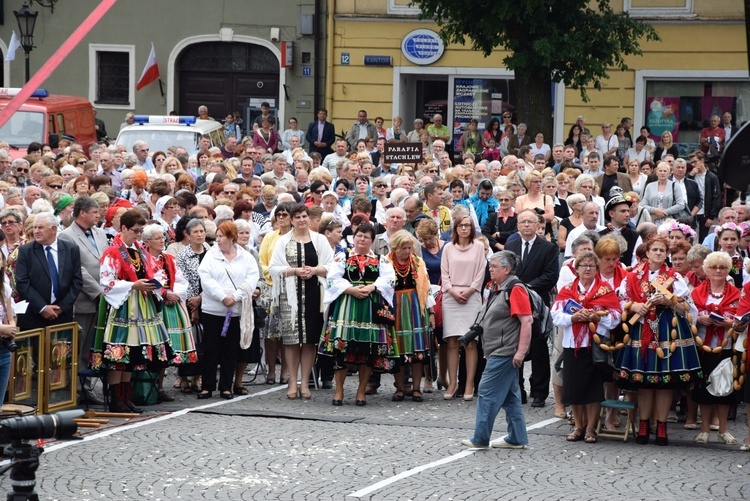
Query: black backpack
(542, 326)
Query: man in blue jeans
(506, 324)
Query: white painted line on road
(408, 473)
(419, 469)
(145, 422)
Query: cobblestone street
(266, 447)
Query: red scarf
(120, 256)
(601, 297)
(619, 275)
(169, 268)
(640, 290)
(727, 306)
(693, 279)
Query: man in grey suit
(91, 241)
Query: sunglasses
(319, 192)
(230, 192)
(432, 171)
(55, 186)
(21, 169)
(82, 162)
(379, 185)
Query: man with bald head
(713, 135)
(438, 130)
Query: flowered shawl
(727, 307)
(601, 297)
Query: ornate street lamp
(26, 21)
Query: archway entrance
(224, 75)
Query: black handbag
(260, 315)
(382, 313)
(603, 360)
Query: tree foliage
(563, 40)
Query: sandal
(561, 414)
(270, 379)
(575, 436)
(398, 397)
(591, 437)
(292, 395)
(745, 446)
(416, 396)
(305, 395)
(239, 390)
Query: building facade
(384, 59)
(228, 55)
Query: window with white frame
(112, 76)
(658, 8)
(402, 8)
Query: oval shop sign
(422, 47)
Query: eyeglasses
(55, 186)
(8, 223)
(281, 215)
(587, 266)
(463, 226)
(138, 231)
(718, 268)
(505, 199)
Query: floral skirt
(677, 370)
(179, 329)
(412, 333)
(132, 337)
(351, 337)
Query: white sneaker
(500, 443)
(469, 443)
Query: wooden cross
(662, 288)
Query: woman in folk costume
(743, 308)
(130, 333)
(413, 304)
(660, 354)
(715, 299)
(588, 301)
(174, 313)
(359, 285)
(728, 235)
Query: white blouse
(564, 321)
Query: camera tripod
(23, 466)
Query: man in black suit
(539, 270)
(711, 190)
(48, 276)
(321, 134)
(692, 192)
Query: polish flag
(150, 72)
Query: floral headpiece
(728, 226)
(745, 229)
(675, 226)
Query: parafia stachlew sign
(397, 153)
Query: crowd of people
(313, 251)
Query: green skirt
(132, 337)
(180, 332)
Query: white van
(161, 132)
